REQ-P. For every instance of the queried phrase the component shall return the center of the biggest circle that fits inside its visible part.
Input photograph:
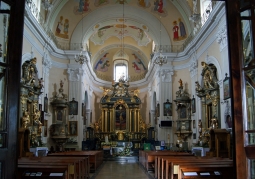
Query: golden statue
(214, 123)
(136, 92)
(25, 119)
(180, 81)
(37, 115)
(106, 91)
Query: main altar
(120, 126)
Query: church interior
(129, 80)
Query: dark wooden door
(241, 38)
(11, 35)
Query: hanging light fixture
(122, 51)
(81, 57)
(160, 59)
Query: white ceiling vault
(100, 22)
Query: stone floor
(121, 170)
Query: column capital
(222, 37)
(193, 66)
(74, 74)
(47, 64)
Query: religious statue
(29, 70)
(180, 81)
(200, 129)
(214, 123)
(40, 83)
(106, 91)
(37, 115)
(136, 92)
(97, 127)
(25, 119)
(34, 141)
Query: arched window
(120, 69)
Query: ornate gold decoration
(136, 92)
(36, 118)
(25, 119)
(105, 91)
(23, 100)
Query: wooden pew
(161, 160)
(149, 160)
(172, 164)
(74, 165)
(95, 157)
(84, 163)
(224, 170)
(45, 169)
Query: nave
(121, 170)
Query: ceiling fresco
(108, 25)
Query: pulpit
(219, 143)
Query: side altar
(120, 119)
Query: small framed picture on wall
(73, 128)
(226, 87)
(45, 105)
(193, 105)
(167, 108)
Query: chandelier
(81, 57)
(160, 59)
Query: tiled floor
(121, 170)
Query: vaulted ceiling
(109, 25)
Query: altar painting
(120, 123)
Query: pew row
(46, 171)
(215, 171)
(147, 158)
(71, 167)
(95, 157)
(170, 165)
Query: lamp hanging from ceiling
(81, 57)
(160, 59)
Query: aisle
(121, 170)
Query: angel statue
(180, 81)
(106, 91)
(25, 119)
(37, 115)
(136, 92)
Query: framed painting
(167, 108)
(45, 105)
(226, 87)
(193, 105)
(183, 112)
(72, 128)
(194, 135)
(194, 124)
(82, 109)
(45, 128)
(73, 107)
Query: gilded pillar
(102, 120)
(105, 119)
(111, 121)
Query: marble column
(47, 64)
(193, 68)
(165, 91)
(75, 76)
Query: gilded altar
(30, 118)
(120, 118)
